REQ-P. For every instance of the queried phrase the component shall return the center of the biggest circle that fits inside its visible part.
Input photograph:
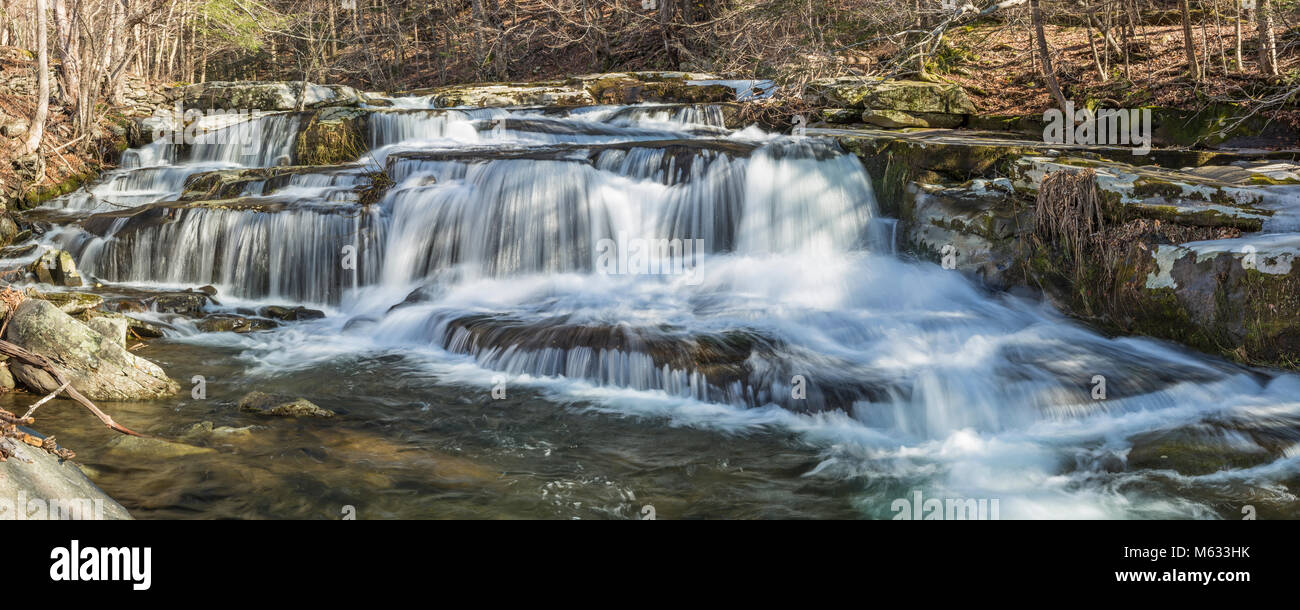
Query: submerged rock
(97, 366)
(154, 447)
(206, 429)
(261, 403)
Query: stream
(499, 344)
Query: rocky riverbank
(1195, 244)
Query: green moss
(37, 195)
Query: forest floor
(997, 67)
(18, 104)
(995, 63)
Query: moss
(1198, 218)
(1261, 179)
(37, 195)
(1146, 187)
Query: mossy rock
(37, 195)
(261, 403)
(72, 303)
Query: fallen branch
(43, 363)
(37, 404)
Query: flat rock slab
(50, 488)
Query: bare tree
(1267, 43)
(1049, 73)
(1189, 42)
(43, 82)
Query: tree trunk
(1189, 42)
(1267, 43)
(68, 43)
(42, 80)
(1049, 74)
(1241, 63)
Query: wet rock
(1197, 450)
(53, 488)
(72, 303)
(261, 403)
(290, 314)
(208, 290)
(56, 267)
(137, 446)
(230, 323)
(17, 251)
(188, 304)
(97, 366)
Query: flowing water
(625, 311)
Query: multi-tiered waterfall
(647, 261)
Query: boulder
(50, 488)
(56, 267)
(97, 366)
(261, 403)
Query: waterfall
(646, 260)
